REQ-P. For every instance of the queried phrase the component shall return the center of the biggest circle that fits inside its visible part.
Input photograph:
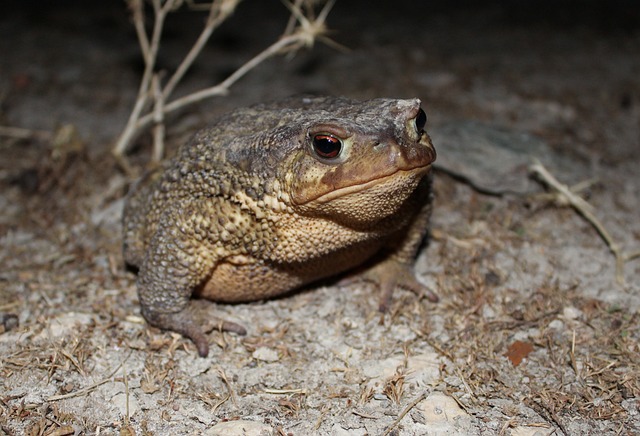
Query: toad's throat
(408, 174)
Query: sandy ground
(533, 334)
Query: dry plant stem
(632, 255)
(138, 22)
(158, 119)
(150, 52)
(291, 24)
(285, 391)
(126, 391)
(363, 415)
(404, 413)
(224, 378)
(20, 133)
(464, 383)
(88, 389)
(584, 209)
(290, 42)
(545, 411)
(218, 12)
(73, 361)
(220, 403)
(293, 39)
(572, 355)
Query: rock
(440, 408)
(240, 428)
(338, 430)
(496, 160)
(571, 313)
(422, 369)
(266, 354)
(525, 430)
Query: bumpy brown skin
(248, 209)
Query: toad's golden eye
(421, 120)
(327, 146)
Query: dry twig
(285, 391)
(21, 133)
(309, 29)
(223, 377)
(404, 413)
(125, 380)
(89, 388)
(585, 209)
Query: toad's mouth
(409, 175)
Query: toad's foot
(389, 274)
(182, 322)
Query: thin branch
(223, 377)
(324, 12)
(21, 133)
(218, 12)
(404, 413)
(291, 24)
(125, 380)
(584, 209)
(158, 119)
(286, 43)
(632, 255)
(149, 60)
(89, 388)
(308, 30)
(137, 10)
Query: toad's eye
(421, 120)
(327, 146)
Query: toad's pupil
(421, 120)
(327, 146)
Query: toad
(276, 196)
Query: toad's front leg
(177, 260)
